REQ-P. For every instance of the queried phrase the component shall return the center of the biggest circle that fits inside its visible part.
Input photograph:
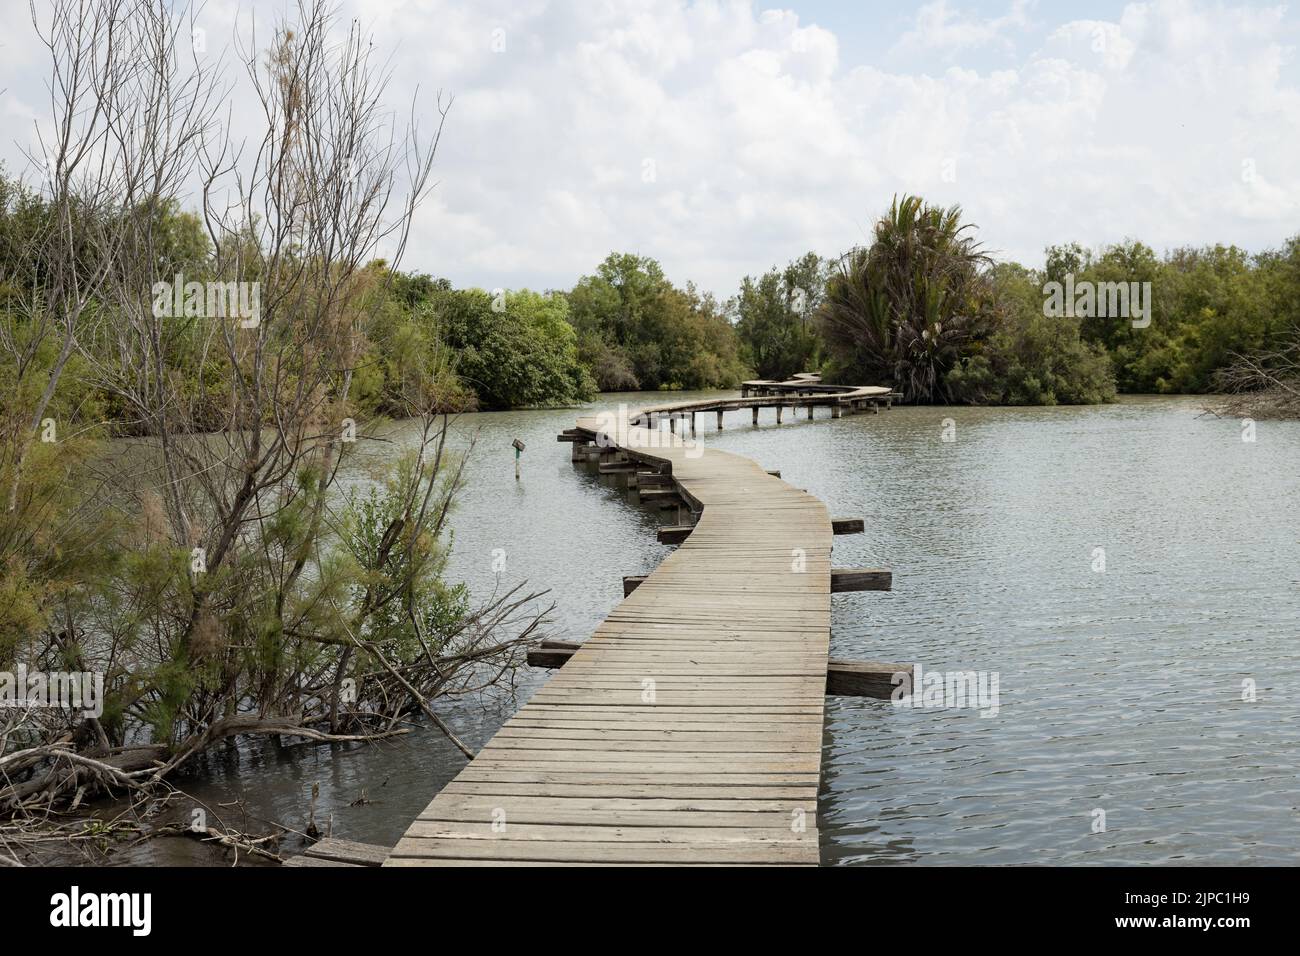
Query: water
(1120, 691)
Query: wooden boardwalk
(688, 728)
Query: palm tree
(904, 310)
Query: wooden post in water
(779, 410)
(719, 419)
(755, 409)
(810, 411)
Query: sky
(723, 138)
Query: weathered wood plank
(844, 678)
(675, 534)
(348, 851)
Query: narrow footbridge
(688, 728)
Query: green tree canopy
(775, 313)
(637, 330)
(905, 309)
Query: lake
(1128, 572)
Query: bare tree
(261, 597)
(122, 123)
(1264, 383)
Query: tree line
(921, 308)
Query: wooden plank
(860, 579)
(305, 860)
(629, 833)
(804, 852)
(866, 678)
(842, 579)
(843, 678)
(348, 851)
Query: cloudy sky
(725, 137)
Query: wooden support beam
(675, 534)
(551, 653)
(865, 678)
(848, 525)
(842, 580)
(572, 434)
(719, 419)
(649, 479)
(843, 678)
(755, 411)
(860, 579)
(659, 494)
(618, 467)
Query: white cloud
(939, 26)
(1177, 122)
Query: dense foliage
(512, 349)
(907, 308)
(923, 310)
(774, 318)
(637, 330)
(920, 308)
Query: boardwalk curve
(688, 728)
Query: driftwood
(1262, 384)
